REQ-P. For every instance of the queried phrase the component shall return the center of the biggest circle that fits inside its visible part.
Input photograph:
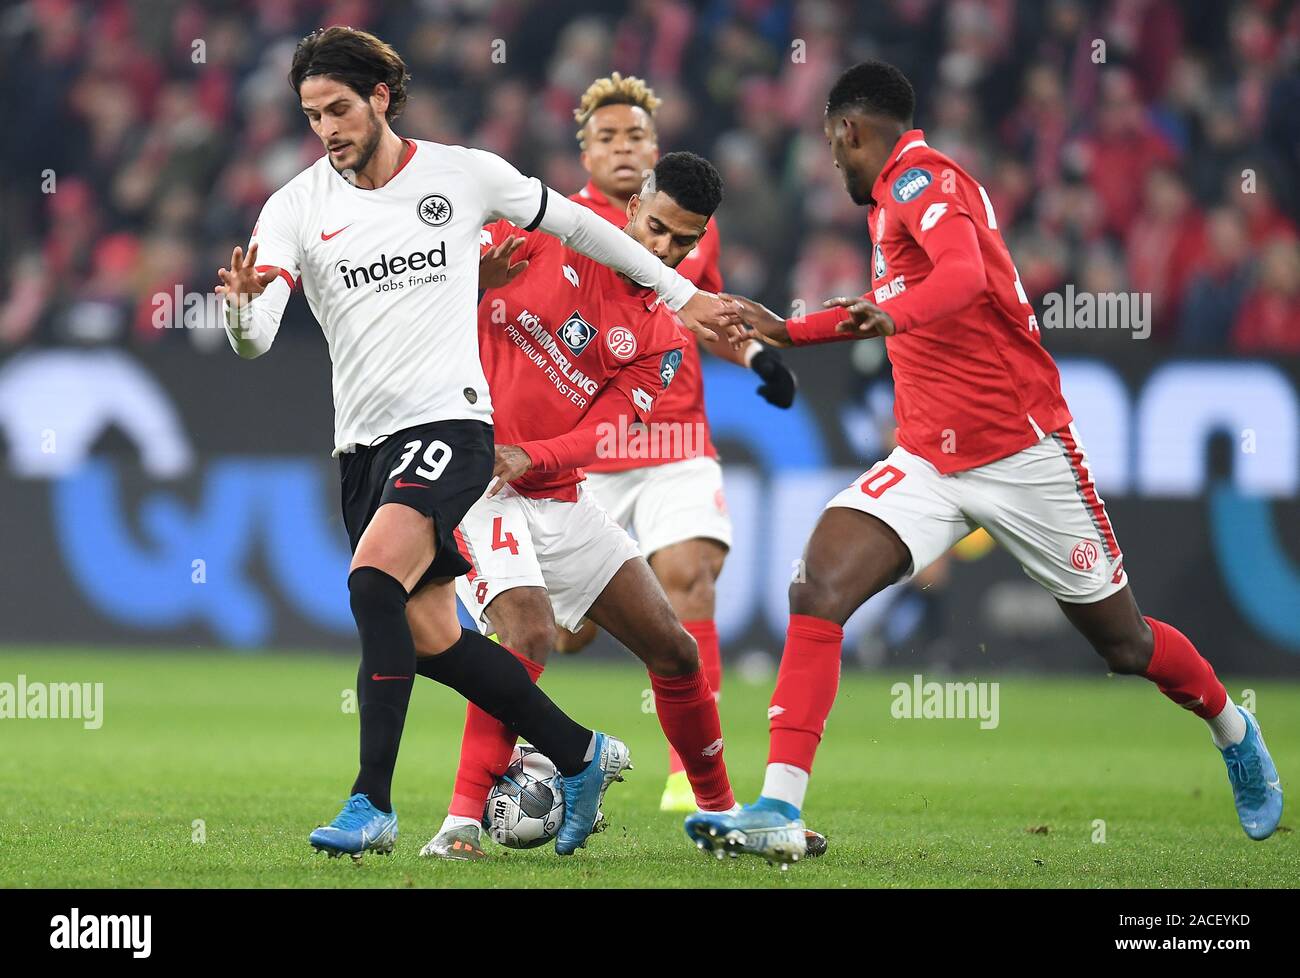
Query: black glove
(779, 382)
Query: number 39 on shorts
(436, 456)
(876, 481)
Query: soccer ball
(526, 805)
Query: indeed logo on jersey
(576, 333)
(910, 184)
(379, 272)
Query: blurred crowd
(1145, 146)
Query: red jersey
(683, 403)
(559, 334)
(974, 384)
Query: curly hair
(356, 58)
(876, 87)
(690, 180)
(614, 90)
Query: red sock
(805, 690)
(485, 749)
(689, 717)
(1183, 674)
(705, 633)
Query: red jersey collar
(591, 193)
(909, 140)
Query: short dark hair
(690, 180)
(356, 58)
(876, 88)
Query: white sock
(733, 810)
(591, 749)
(455, 822)
(1229, 727)
(786, 783)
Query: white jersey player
(383, 234)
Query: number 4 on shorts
(503, 541)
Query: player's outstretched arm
(251, 326)
(585, 231)
(612, 411)
(861, 319)
(761, 322)
(509, 194)
(844, 318)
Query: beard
(859, 195)
(366, 149)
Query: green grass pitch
(210, 770)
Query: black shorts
(439, 469)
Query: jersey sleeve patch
(668, 366)
(911, 184)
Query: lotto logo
(932, 214)
(1084, 555)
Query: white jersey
(391, 275)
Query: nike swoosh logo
(399, 484)
(379, 678)
(326, 237)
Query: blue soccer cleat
(1256, 787)
(584, 792)
(359, 828)
(769, 829)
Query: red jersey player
(984, 439)
(672, 501)
(575, 353)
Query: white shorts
(666, 504)
(1040, 504)
(571, 549)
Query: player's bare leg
(1136, 645)
(688, 572)
(634, 609)
(567, 642)
(850, 556)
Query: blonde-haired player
(671, 501)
